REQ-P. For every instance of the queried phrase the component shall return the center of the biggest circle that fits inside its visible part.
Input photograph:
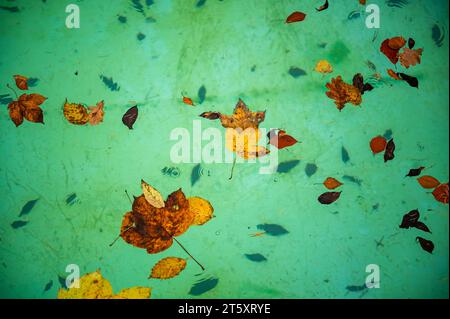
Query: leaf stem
(232, 168)
(188, 253)
(114, 241)
(12, 90)
(129, 198)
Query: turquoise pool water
(235, 49)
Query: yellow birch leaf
(168, 267)
(152, 196)
(202, 209)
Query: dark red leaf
(329, 197)
(410, 219)
(422, 226)
(411, 80)
(426, 245)
(130, 117)
(415, 171)
(411, 43)
(389, 153)
(210, 115)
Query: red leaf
(281, 139)
(296, 16)
(378, 144)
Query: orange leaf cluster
(27, 105)
(343, 93)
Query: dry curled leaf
(76, 113)
(428, 181)
(168, 267)
(331, 183)
(343, 93)
(21, 82)
(152, 195)
(410, 57)
(96, 114)
(296, 16)
(202, 209)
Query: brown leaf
(329, 197)
(331, 183)
(410, 57)
(21, 82)
(210, 115)
(96, 114)
(428, 182)
(34, 114)
(396, 43)
(343, 93)
(15, 113)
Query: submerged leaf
(329, 197)
(426, 245)
(411, 80)
(296, 16)
(440, 193)
(331, 183)
(21, 82)
(410, 219)
(133, 293)
(378, 144)
(130, 117)
(389, 152)
(415, 171)
(427, 181)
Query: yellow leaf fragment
(90, 286)
(134, 293)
